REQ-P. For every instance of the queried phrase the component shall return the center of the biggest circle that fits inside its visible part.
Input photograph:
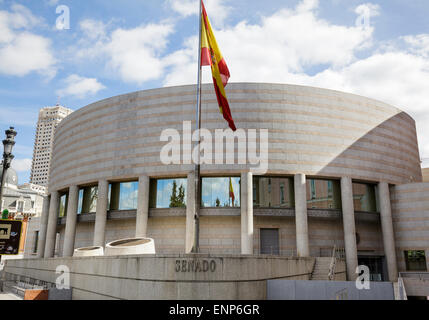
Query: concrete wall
(325, 133)
(327, 290)
(410, 210)
(32, 226)
(168, 232)
(222, 234)
(166, 277)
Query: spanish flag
(231, 192)
(211, 56)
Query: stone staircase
(321, 269)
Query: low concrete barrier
(327, 290)
(200, 277)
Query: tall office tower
(49, 118)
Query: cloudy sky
(378, 49)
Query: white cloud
(21, 165)
(274, 51)
(217, 10)
(136, 53)
(275, 48)
(80, 87)
(419, 44)
(23, 52)
(93, 29)
(281, 48)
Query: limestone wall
(313, 131)
(201, 277)
(222, 234)
(410, 210)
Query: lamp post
(8, 144)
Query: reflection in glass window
(168, 193)
(272, 192)
(80, 201)
(87, 202)
(128, 196)
(63, 206)
(364, 196)
(220, 192)
(323, 194)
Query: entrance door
(270, 241)
(375, 265)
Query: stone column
(51, 230)
(247, 213)
(387, 230)
(43, 227)
(190, 212)
(70, 233)
(301, 219)
(101, 214)
(349, 228)
(142, 207)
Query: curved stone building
(338, 164)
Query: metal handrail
(331, 274)
(415, 274)
(401, 288)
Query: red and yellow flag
(231, 192)
(211, 56)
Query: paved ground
(8, 296)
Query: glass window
(364, 197)
(323, 194)
(220, 192)
(87, 200)
(415, 260)
(272, 192)
(168, 193)
(20, 206)
(36, 241)
(63, 206)
(79, 204)
(128, 196)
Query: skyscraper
(49, 118)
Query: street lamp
(8, 144)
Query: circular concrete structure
(334, 160)
(89, 252)
(311, 131)
(133, 246)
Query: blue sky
(378, 49)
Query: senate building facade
(343, 172)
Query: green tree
(177, 200)
(173, 198)
(181, 200)
(217, 203)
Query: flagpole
(196, 247)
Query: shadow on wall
(389, 152)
